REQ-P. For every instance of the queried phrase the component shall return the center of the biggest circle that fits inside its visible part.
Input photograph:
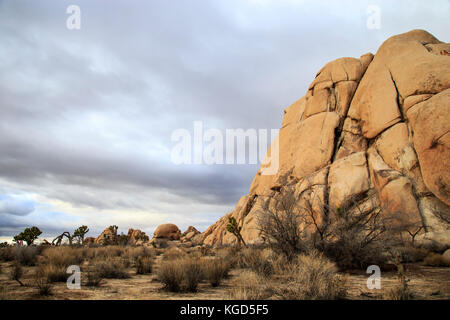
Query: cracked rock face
(376, 128)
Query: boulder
(167, 231)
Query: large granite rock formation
(376, 128)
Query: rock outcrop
(189, 235)
(137, 237)
(376, 128)
(108, 236)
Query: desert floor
(426, 282)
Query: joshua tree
(29, 235)
(57, 241)
(80, 233)
(233, 228)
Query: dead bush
(279, 223)
(315, 278)
(436, 260)
(144, 265)
(170, 273)
(215, 270)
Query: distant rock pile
(375, 128)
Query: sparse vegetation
(26, 256)
(249, 286)
(112, 269)
(43, 285)
(170, 273)
(216, 270)
(313, 277)
(16, 273)
(193, 274)
(402, 290)
(436, 260)
(93, 278)
(144, 265)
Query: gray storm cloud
(86, 115)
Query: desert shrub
(215, 270)
(144, 265)
(112, 269)
(43, 285)
(170, 273)
(260, 261)
(16, 272)
(436, 260)
(93, 278)
(174, 253)
(7, 254)
(280, 222)
(133, 253)
(315, 278)
(357, 235)
(411, 254)
(26, 256)
(192, 273)
(249, 286)
(53, 273)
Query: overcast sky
(86, 116)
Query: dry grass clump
(16, 272)
(53, 272)
(192, 273)
(215, 270)
(133, 253)
(181, 274)
(43, 285)
(144, 265)
(63, 256)
(26, 256)
(174, 253)
(436, 260)
(97, 253)
(112, 269)
(93, 278)
(313, 278)
(170, 273)
(249, 286)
